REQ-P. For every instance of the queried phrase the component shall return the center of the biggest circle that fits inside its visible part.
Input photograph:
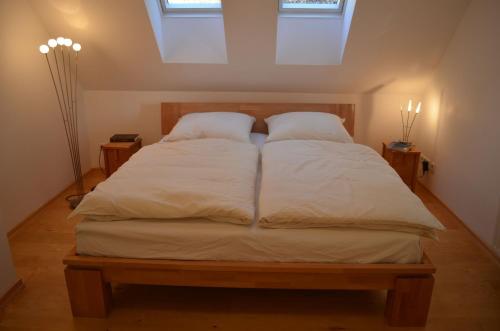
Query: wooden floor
(466, 295)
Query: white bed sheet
(205, 240)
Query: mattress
(205, 240)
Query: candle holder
(408, 125)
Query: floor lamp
(63, 67)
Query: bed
(408, 277)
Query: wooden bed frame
(409, 286)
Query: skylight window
(193, 33)
(311, 6)
(313, 32)
(191, 5)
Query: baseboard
(11, 293)
(27, 220)
(495, 252)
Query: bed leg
(89, 294)
(408, 303)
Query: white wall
(109, 112)
(310, 40)
(460, 129)
(34, 158)
(395, 42)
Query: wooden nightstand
(405, 164)
(116, 154)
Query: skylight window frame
(305, 9)
(187, 9)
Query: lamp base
(74, 200)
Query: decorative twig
(402, 122)
(411, 126)
(406, 128)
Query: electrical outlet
(427, 166)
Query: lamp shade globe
(418, 107)
(60, 41)
(68, 42)
(52, 43)
(77, 47)
(44, 49)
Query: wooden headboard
(171, 112)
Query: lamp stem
(65, 78)
(69, 94)
(64, 112)
(80, 183)
(69, 111)
(402, 123)
(60, 82)
(405, 139)
(60, 108)
(409, 131)
(72, 117)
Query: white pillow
(227, 125)
(307, 126)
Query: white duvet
(212, 179)
(309, 183)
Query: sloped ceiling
(393, 45)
